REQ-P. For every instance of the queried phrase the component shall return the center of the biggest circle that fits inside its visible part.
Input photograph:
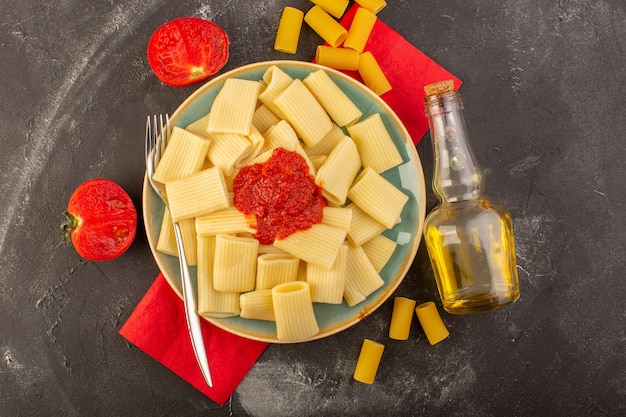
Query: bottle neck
(457, 175)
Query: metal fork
(157, 133)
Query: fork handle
(193, 320)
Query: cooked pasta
(373, 6)
(335, 8)
(375, 145)
(337, 104)
(318, 245)
(337, 58)
(379, 250)
(328, 286)
(293, 311)
(212, 303)
(371, 73)
(378, 197)
(401, 318)
(229, 221)
(431, 322)
(274, 268)
(185, 153)
(276, 81)
(360, 30)
(328, 142)
(369, 361)
(363, 227)
(229, 150)
(257, 305)
(288, 32)
(234, 107)
(340, 217)
(339, 171)
(283, 136)
(264, 118)
(166, 242)
(361, 277)
(235, 263)
(197, 194)
(324, 25)
(304, 113)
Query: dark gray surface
(545, 96)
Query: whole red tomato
(187, 50)
(101, 220)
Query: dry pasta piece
(235, 263)
(276, 81)
(324, 25)
(361, 277)
(339, 171)
(333, 7)
(212, 303)
(378, 197)
(185, 153)
(166, 242)
(288, 32)
(229, 221)
(337, 104)
(363, 227)
(293, 311)
(360, 30)
(375, 145)
(340, 217)
(318, 245)
(257, 305)
(234, 107)
(328, 142)
(304, 113)
(197, 194)
(373, 6)
(327, 286)
(337, 58)
(371, 73)
(228, 151)
(369, 361)
(401, 318)
(431, 322)
(264, 118)
(275, 268)
(379, 250)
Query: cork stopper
(439, 87)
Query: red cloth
(158, 327)
(408, 71)
(158, 324)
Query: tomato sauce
(281, 194)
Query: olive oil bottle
(469, 236)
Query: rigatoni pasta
(335, 8)
(368, 362)
(363, 227)
(288, 32)
(293, 311)
(234, 107)
(235, 263)
(257, 305)
(336, 103)
(401, 318)
(324, 25)
(361, 277)
(337, 58)
(373, 6)
(379, 250)
(274, 269)
(339, 171)
(376, 147)
(184, 155)
(197, 194)
(360, 29)
(431, 322)
(371, 73)
(328, 286)
(318, 245)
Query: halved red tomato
(101, 220)
(187, 50)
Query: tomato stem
(67, 227)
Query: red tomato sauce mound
(281, 194)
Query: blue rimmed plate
(409, 177)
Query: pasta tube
(339, 171)
(332, 98)
(234, 107)
(379, 250)
(401, 318)
(333, 7)
(375, 145)
(293, 311)
(369, 361)
(197, 194)
(274, 269)
(257, 305)
(360, 30)
(212, 303)
(431, 322)
(337, 58)
(371, 73)
(288, 32)
(373, 6)
(235, 263)
(361, 277)
(318, 245)
(324, 25)
(327, 286)
(185, 153)
(363, 227)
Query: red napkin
(408, 71)
(158, 324)
(158, 327)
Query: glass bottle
(469, 236)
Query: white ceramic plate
(409, 177)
